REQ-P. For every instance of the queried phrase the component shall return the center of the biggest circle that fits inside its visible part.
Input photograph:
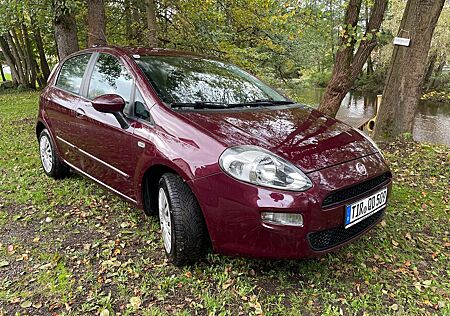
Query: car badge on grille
(361, 168)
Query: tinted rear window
(72, 72)
(190, 79)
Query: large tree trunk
(16, 59)
(66, 34)
(151, 23)
(348, 65)
(40, 47)
(403, 87)
(96, 23)
(10, 61)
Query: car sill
(99, 182)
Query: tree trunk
(40, 47)
(66, 34)
(430, 69)
(22, 56)
(10, 61)
(403, 87)
(29, 56)
(127, 13)
(16, 59)
(96, 23)
(151, 23)
(348, 65)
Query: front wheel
(182, 225)
(52, 164)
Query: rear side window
(72, 72)
(110, 76)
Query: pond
(431, 123)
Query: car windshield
(187, 80)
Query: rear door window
(110, 77)
(72, 72)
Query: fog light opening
(289, 219)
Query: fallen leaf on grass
(104, 312)
(4, 263)
(37, 305)
(394, 243)
(26, 304)
(135, 302)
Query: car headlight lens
(258, 166)
(370, 140)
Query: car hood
(298, 133)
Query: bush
(371, 83)
(320, 79)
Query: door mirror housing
(114, 104)
(109, 103)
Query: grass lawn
(68, 247)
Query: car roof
(145, 51)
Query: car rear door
(62, 100)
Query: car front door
(106, 154)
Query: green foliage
(320, 79)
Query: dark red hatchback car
(227, 162)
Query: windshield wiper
(200, 105)
(260, 102)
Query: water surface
(431, 122)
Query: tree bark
(40, 47)
(9, 58)
(127, 13)
(151, 23)
(403, 87)
(96, 23)
(28, 50)
(16, 59)
(65, 33)
(430, 69)
(348, 64)
(22, 56)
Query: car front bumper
(232, 211)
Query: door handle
(80, 113)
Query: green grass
(68, 247)
(8, 76)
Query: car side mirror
(109, 103)
(114, 104)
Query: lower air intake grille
(325, 239)
(355, 190)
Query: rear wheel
(52, 164)
(182, 226)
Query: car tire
(183, 228)
(51, 163)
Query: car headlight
(370, 141)
(261, 167)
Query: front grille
(351, 192)
(325, 239)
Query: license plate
(356, 212)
